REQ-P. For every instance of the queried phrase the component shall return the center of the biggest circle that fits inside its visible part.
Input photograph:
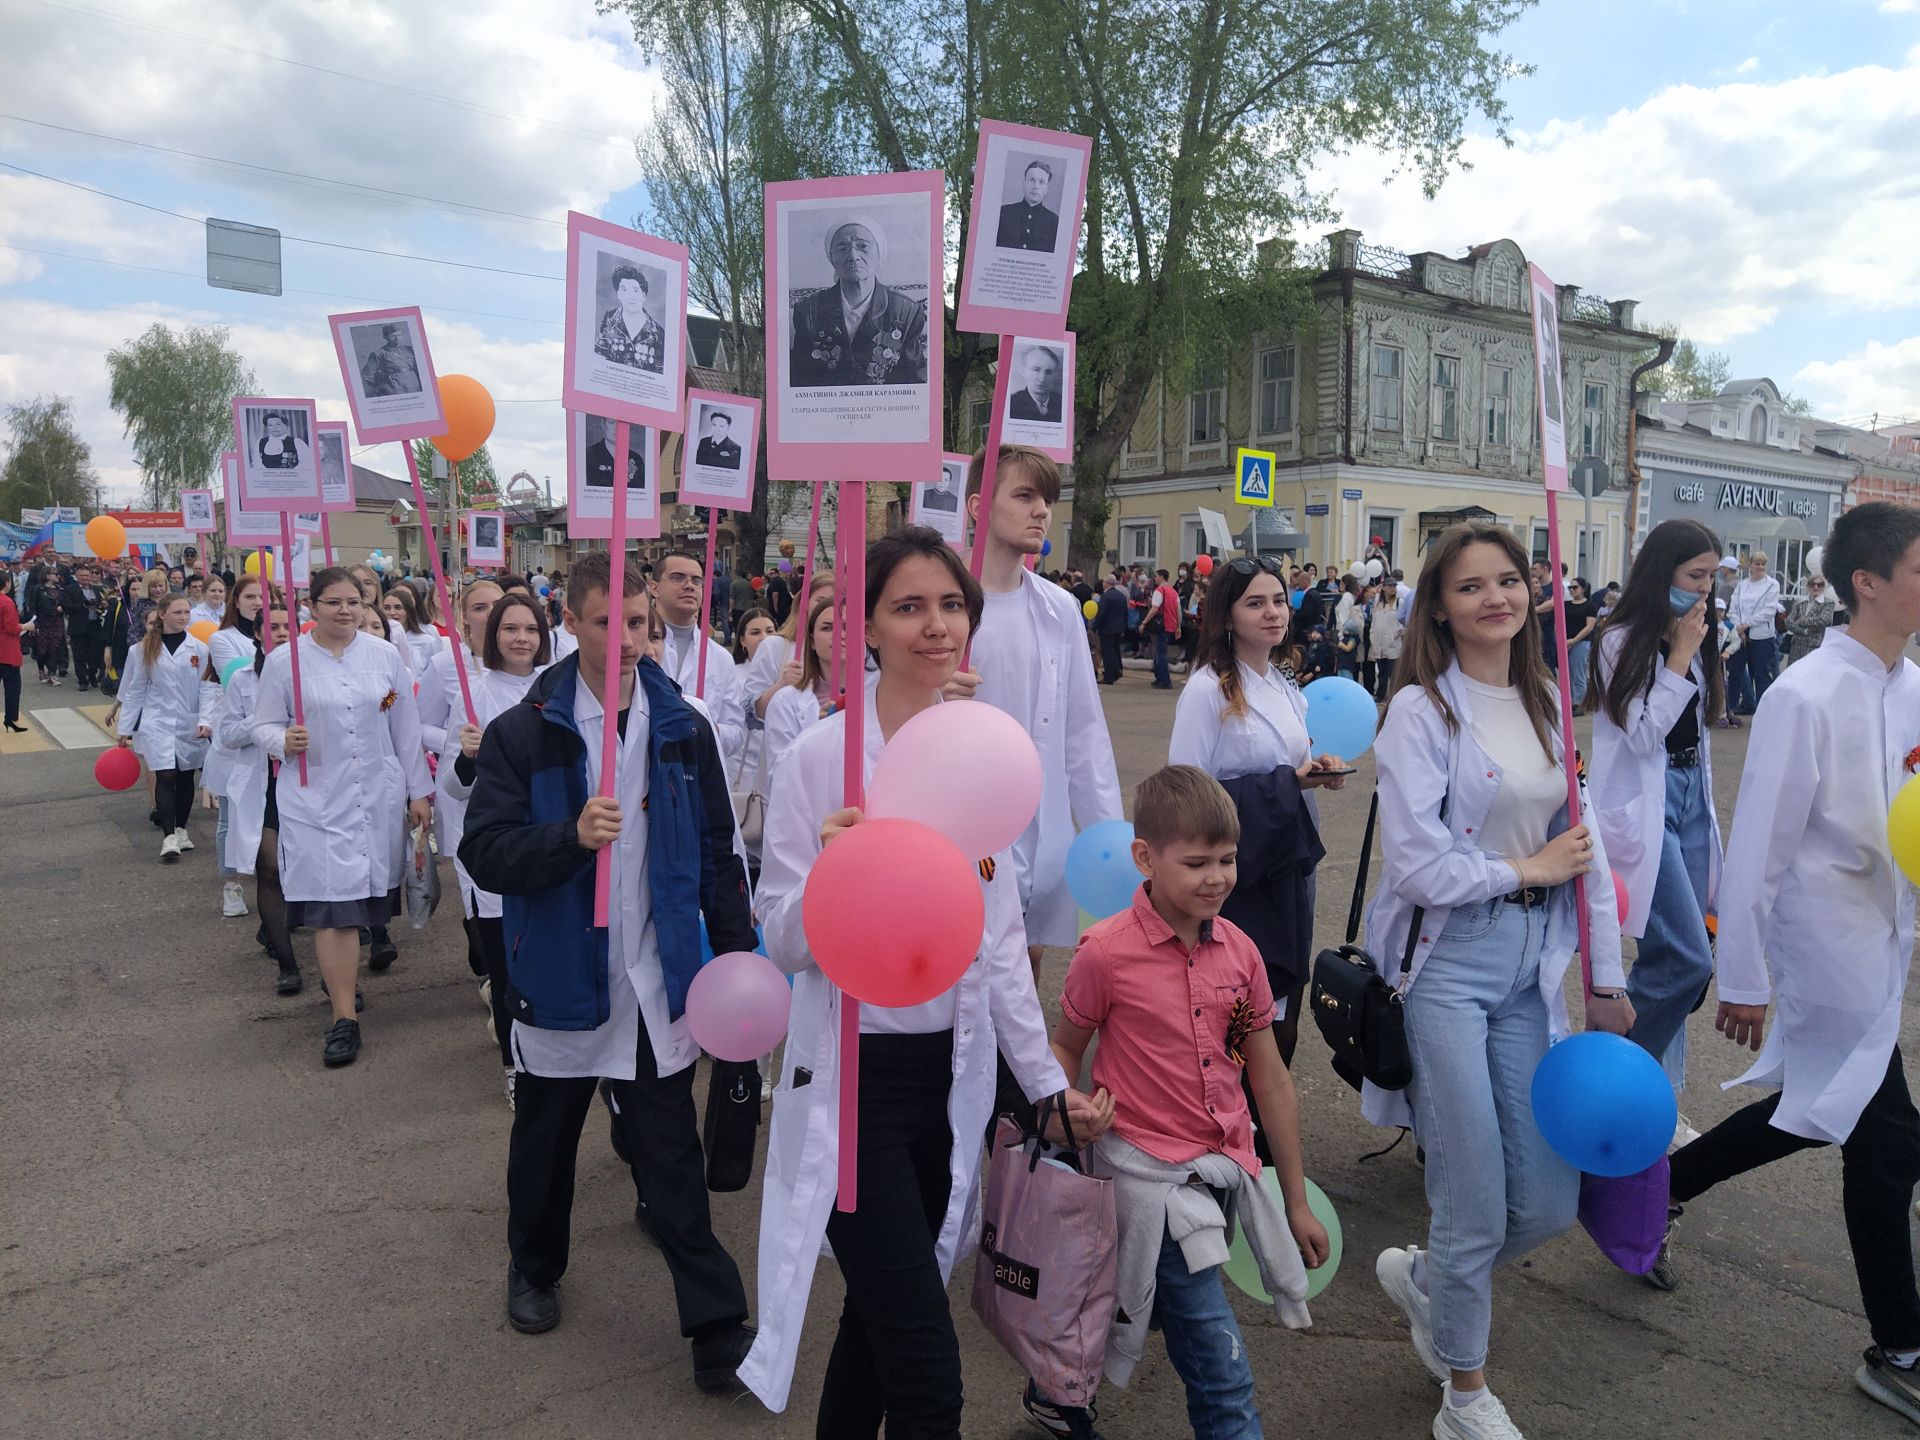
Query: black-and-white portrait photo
(944, 493)
(627, 296)
(278, 440)
(486, 532)
(336, 485)
(276, 455)
(383, 353)
(590, 475)
(1030, 209)
(1549, 332)
(940, 503)
(858, 293)
(626, 324)
(1038, 372)
(599, 470)
(486, 538)
(717, 448)
(196, 510)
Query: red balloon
(117, 769)
(1203, 565)
(759, 582)
(893, 912)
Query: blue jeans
(1675, 959)
(1204, 1344)
(1763, 666)
(1161, 676)
(1577, 664)
(1476, 1029)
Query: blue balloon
(1100, 871)
(545, 590)
(1046, 548)
(1341, 717)
(1603, 1104)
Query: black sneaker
(1064, 1422)
(717, 1356)
(531, 1309)
(1895, 1386)
(384, 951)
(343, 1044)
(1664, 1275)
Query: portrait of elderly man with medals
(857, 331)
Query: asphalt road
(206, 1234)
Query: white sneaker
(509, 1074)
(1394, 1270)
(170, 849)
(1683, 1133)
(1485, 1419)
(232, 903)
(181, 836)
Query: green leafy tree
(1692, 373)
(175, 392)
(478, 479)
(47, 463)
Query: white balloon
(1357, 570)
(1376, 568)
(1816, 558)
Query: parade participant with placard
(443, 712)
(680, 588)
(250, 812)
(798, 707)
(341, 848)
(166, 714)
(236, 639)
(775, 665)
(591, 1003)
(926, 1086)
(1032, 658)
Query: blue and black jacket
(521, 842)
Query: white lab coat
(341, 833)
(437, 697)
(422, 648)
(1628, 778)
(790, 714)
(494, 692)
(225, 646)
(1811, 892)
(722, 694)
(1079, 784)
(246, 771)
(758, 675)
(1271, 733)
(163, 708)
(1439, 864)
(994, 1003)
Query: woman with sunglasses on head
(1477, 850)
(1241, 719)
(1810, 618)
(1658, 688)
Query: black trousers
(173, 796)
(1110, 658)
(493, 954)
(86, 654)
(657, 1115)
(10, 680)
(896, 1359)
(1879, 1166)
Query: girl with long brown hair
(238, 638)
(1477, 849)
(166, 714)
(1240, 719)
(1659, 688)
(797, 707)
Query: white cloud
(1883, 379)
(1743, 201)
(1747, 66)
(1899, 7)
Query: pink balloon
(893, 912)
(1621, 900)
(737, 1006)
(968, 770)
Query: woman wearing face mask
(1658, 688)
(236, 639)
(166, 714)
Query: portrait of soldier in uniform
(599, 467)
(717, 447)
(392, 369)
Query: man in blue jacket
(590, 1003)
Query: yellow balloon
(1903, 829)
(202, 630)
(1090, 609)
(258, 559)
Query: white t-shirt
(1532, 786)
(1007, 655)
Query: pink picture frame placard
(1028, 420)
(336, 492)
(1549, 398)
(1018, 276)
(387, 371)
(704, 478)
(196, 512)
(591, 518)
(247, 529)
(865, 406)
(265, 483)
(637, 378)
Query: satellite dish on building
(1590, 476)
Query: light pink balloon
(737, 1006)
(965, 769)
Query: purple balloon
(737, 1006)
(786, 567)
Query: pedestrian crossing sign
(1253, 477)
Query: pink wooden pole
(326, 535)
(706, 604)
(439, 576)
(1566, 727)
(293, 626)
(851, 590)
(835, 673)
(616, 630)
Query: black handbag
(732, 1123)
(1360, 1016)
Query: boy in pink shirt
(1180, 1000)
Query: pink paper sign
(626, 325)
(855, 286)
(590, 462)
(388, 373)
(336, 466)
(196, 511)
(941, 503)
(723, 438)
(247, 529)
(275, 440)
(486, 539)
(1023, 233)
(1549, 388)
(1040, 395)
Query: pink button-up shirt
(1163, 1016)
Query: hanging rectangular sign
(1549, 389)
(275, 439)
(1040, 394)
(717, 460)
(941, 504)
(626, 343)
(388, 374)
(1023, 231)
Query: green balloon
(239, 662)
(1244, 1271)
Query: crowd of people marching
(728, 785)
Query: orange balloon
(106, 537)
(202, 630)
(469, 410)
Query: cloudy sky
(1744, 168)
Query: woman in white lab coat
(1659, 688)
(370, 593)
(798, 707)
(234, 640)
(166, 715)
(516, 648)
(926, 1071)
(402, 607)
(1477, 849)
(340, 836)
(443, 711)
(776, 661)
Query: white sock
(1420, 1271)
(1460, 1399)
(1905, 1359)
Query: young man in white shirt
(680, 587)
(1810, 884)
(1755, 610)
(1032, 658)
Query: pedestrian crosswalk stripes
(73, 728)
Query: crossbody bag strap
(1360, 875)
